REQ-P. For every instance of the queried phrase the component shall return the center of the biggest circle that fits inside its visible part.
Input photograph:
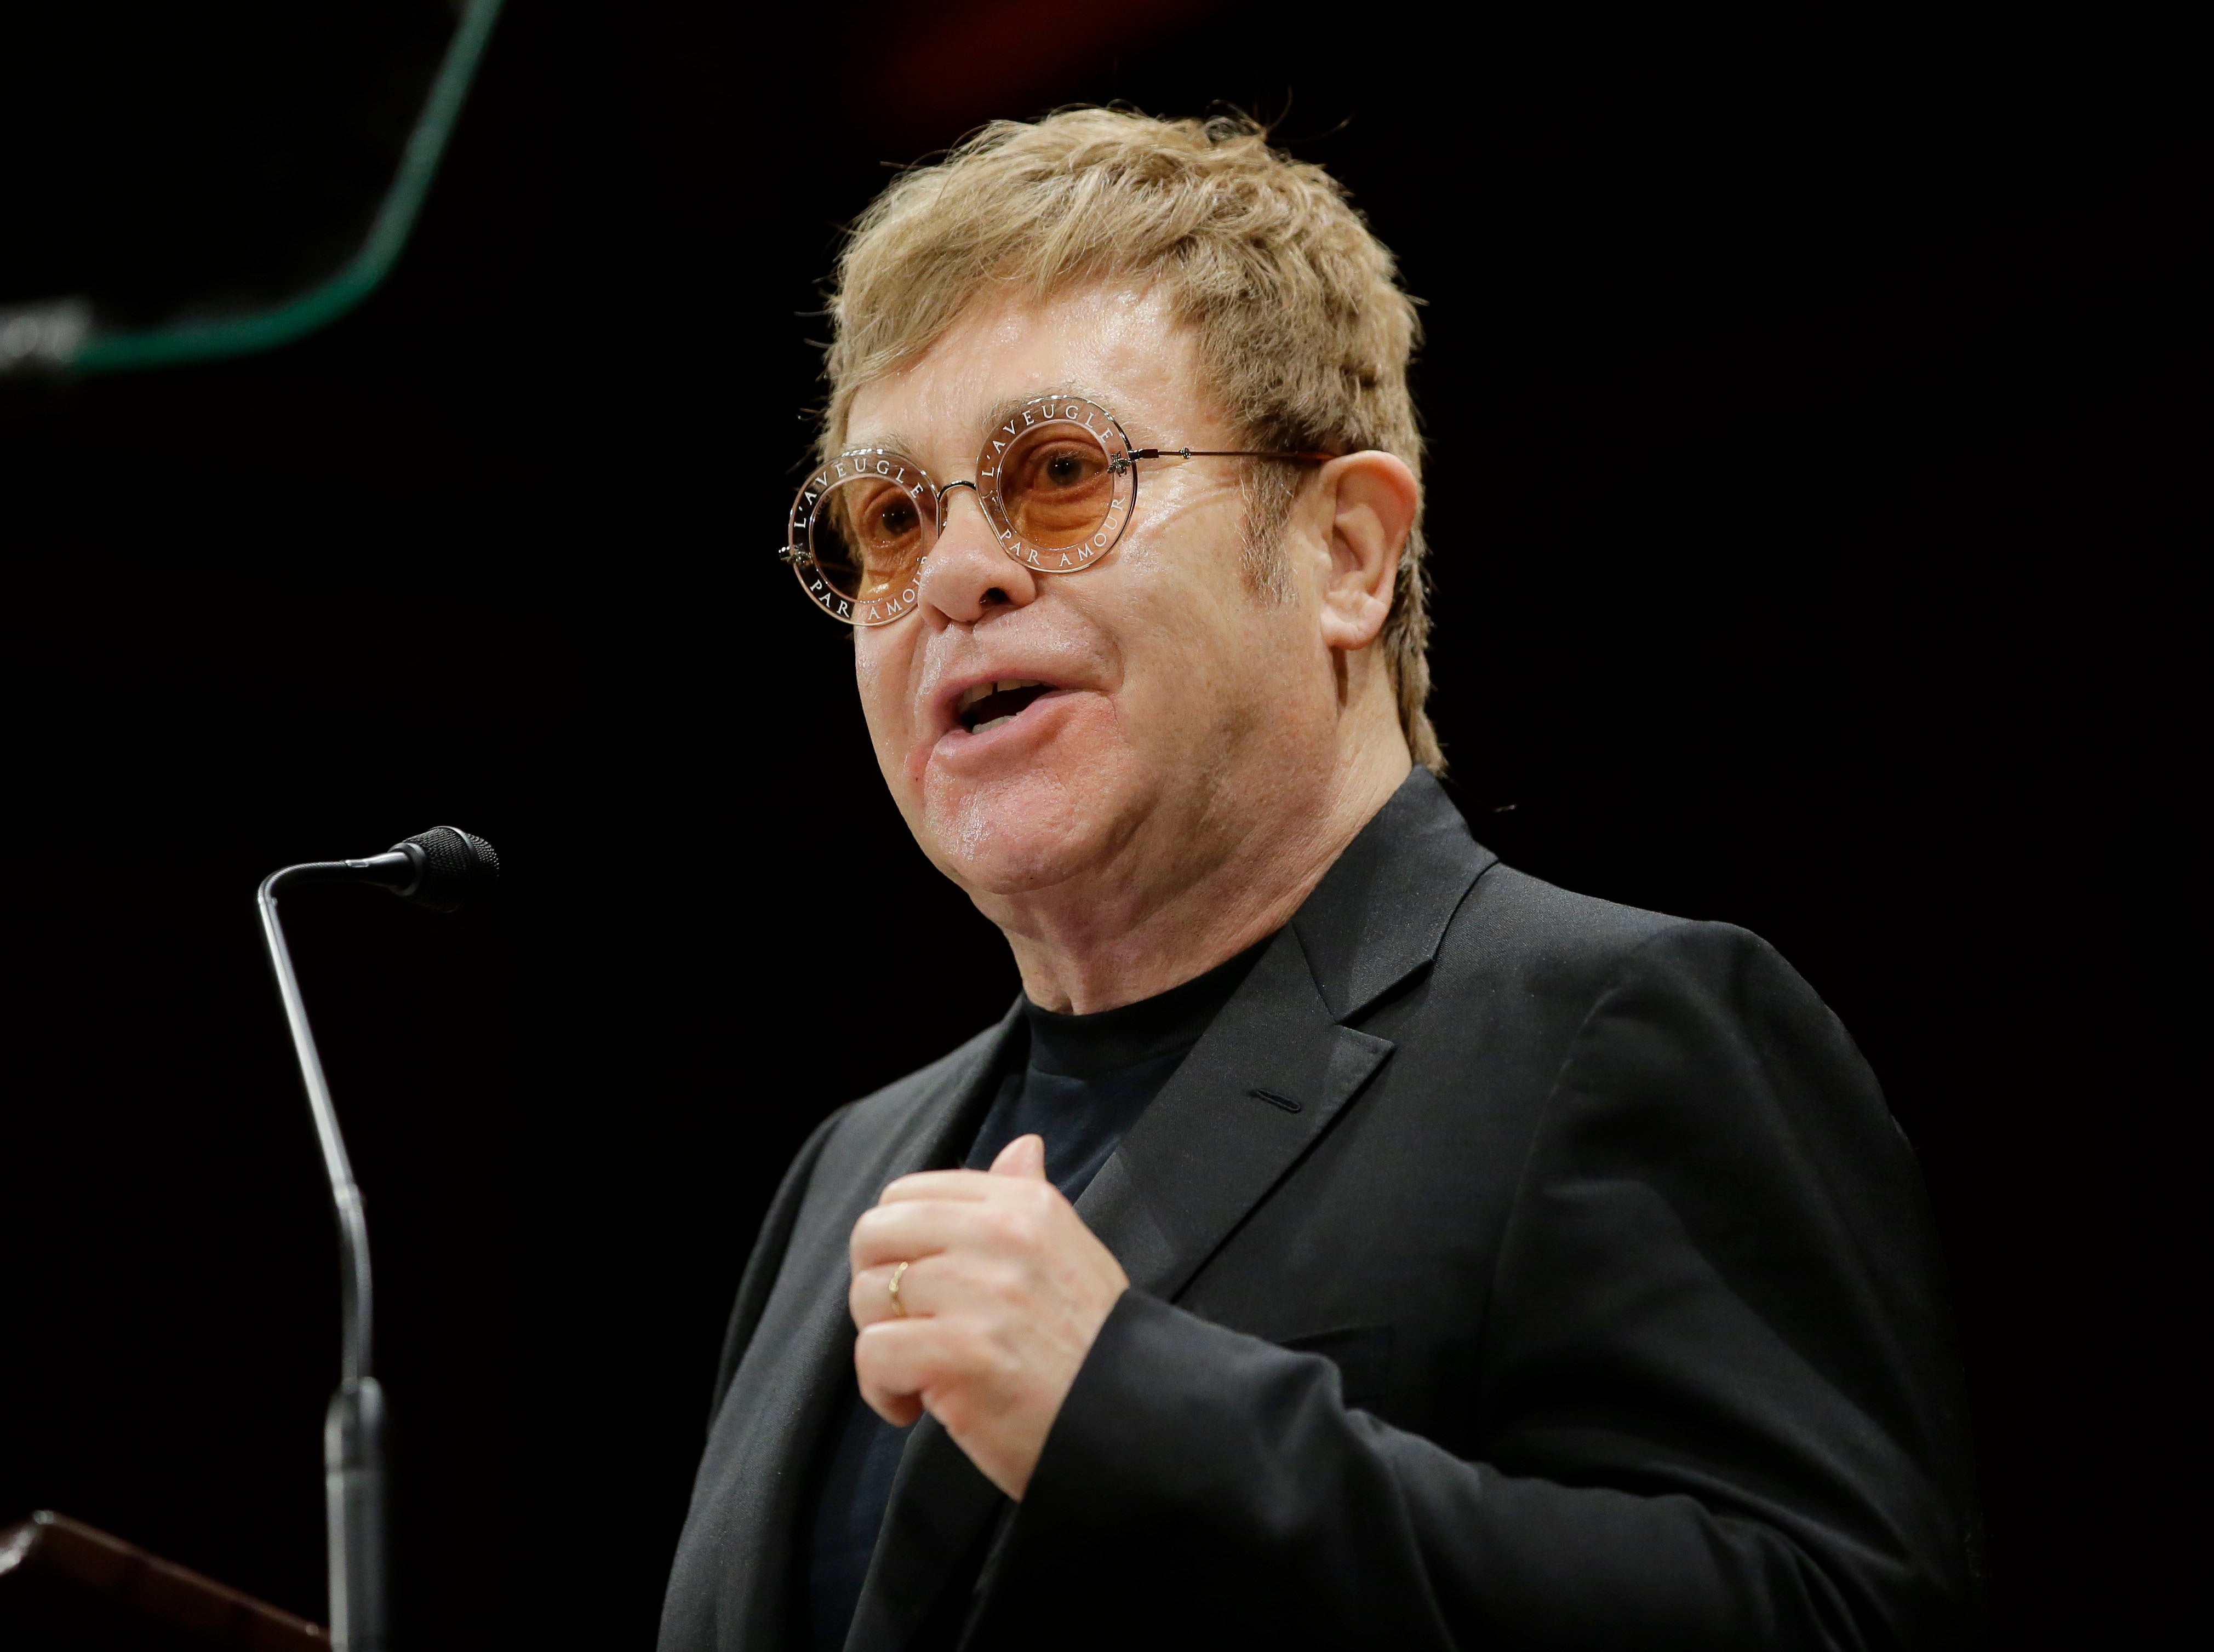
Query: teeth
(982, 727)
(976, 692)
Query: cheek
(1202, 644)
(879, 675)
(1176, 570)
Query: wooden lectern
(67, 1586)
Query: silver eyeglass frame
(933, 500)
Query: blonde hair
(1302, 331)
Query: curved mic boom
(442, 869)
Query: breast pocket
(1362, 1354)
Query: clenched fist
(1006, 1290)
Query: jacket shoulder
(1551, 937)
(1528, 962)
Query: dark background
(1817, 403)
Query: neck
(1136, 930)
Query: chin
(1025, 832)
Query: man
(1345, 1239)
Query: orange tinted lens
(868, 536)
(1056, 486)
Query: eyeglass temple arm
(1136, 454)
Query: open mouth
(987, 706)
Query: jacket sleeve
(768, 1256)
(1717, 1405)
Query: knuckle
(1020, 1218)
(962, 1354)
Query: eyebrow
(900, 442)
(1006, 406)
(892, 442)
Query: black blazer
(1509, 1268)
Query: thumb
(1023, 1156)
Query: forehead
(1114, 343)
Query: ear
(1374, 496)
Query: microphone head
(452, 867)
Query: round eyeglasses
(1057, 479)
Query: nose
(968, 575)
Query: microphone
(442, 869)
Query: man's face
(1177, 704)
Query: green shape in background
(61, 335)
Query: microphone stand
(354, 1427)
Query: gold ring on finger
(891, 1289)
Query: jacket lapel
(1279, 1065)
(941, 1507)
(1267, 1079)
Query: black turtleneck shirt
(1081, 1086)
